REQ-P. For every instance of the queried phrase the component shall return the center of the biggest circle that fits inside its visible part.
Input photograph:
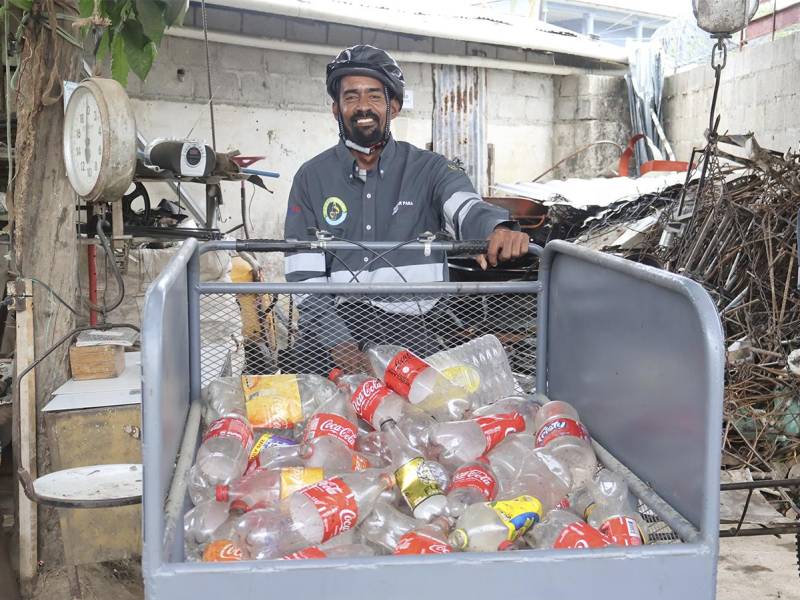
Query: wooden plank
(96, 362)
(27, 512)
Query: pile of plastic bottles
(421, 456)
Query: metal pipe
(753, 485)
(91, 251)
(777, 530)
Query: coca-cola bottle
(222, 397)
(386, 525)
(266, 487)
(222, 456)
(329, 437)
(562, 529)
(272, 451)
(558, 428)
(284, 401)
(458, 442)
(518, 404)
(430, 538)
(419, 480)
(413, 378)
(340, 551)
(372, 400)
(491, 526)
(612, 511)
(472, 483)
(199, 523)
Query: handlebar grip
(469, 247)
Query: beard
(361, 136)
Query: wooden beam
(26, 432)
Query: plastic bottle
(419, 480)
(524, 406)
(558, 428)
(564, 529)
(491, 526)
(472, 483)
(345, 550)
(481, 366)
(613, 512)
(266, 487)
(413, 378)
(199, 523)
(272, 451)
(386, 525)
(372, 400)
(284, 401)
(325, 509)
(222, 456)
(329, 437)
(430, 538)
(222, 397)
(458, 442)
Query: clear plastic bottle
(562, 529)
(430, 538)
(372, 400)
(524, 406)
(199, 523)
(272, 451)
(472, 483)
(491, 526)
(222, 456)
(458, 442)
(419, 480)
(413, 378)
(481, 366)
(559, 429)
(613, 512)
(266, 487)
(281, 402)
(325, 509)
(341, 551)
(386, 525)
(329, 437)
(222, 397)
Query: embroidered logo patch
(401, 203)
(334, 210)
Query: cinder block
(380, 39)
(269, 26)
(412, 73)
(273, 92)
(224, 83)
(163, 82)
(415, 43)
(222, 19)
(508, 107)
(445, 46)
(507, 53)
(499, 82)
(423, 103)
(533, 84)
(539, 110)
(184, 52)
(317, 64)
(343, 35)
(240, 58)
(538, 57)
(254, 88)
(306, 30)
(305, 92)
(567, 85)
(485, 50)
(290, 63)
(566, 108)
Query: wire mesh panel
(658, 532)
(293, 333)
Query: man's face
(362, 104)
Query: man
(370, 187)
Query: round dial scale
(99, 140)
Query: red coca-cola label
(305, 553)
(622, 531)
(402, 371)
(230, 427)
(496, 427)
(475, 476)
(581, 535)
(336, 504)
(418, 543)
(331, 424)
(558, 427)
(368, 397)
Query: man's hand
(349, 358)
(504, 244)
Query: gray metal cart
(637, 350)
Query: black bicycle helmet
(369, 61)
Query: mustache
(364, 115)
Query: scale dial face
(83, 132)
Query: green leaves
(136, 30)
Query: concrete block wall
(589, 108)
(759, 92)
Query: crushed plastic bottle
(458, 442)
(480, 366)
(272, 451)
(430, 538)
(222, 397)
(372, 400)
(199, 524)
(612, 511)
(562, 529)
(492, 526)
(284, 401)
(329, 436)
(419, 480)
(560, 431)
(264, 488)
(413, 378)
(316, 552)
(386, 525)
(472, 483)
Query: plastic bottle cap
(335, 373)
(458, 539)
(222, 493)
(240, 506)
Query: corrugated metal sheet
(459, 119)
